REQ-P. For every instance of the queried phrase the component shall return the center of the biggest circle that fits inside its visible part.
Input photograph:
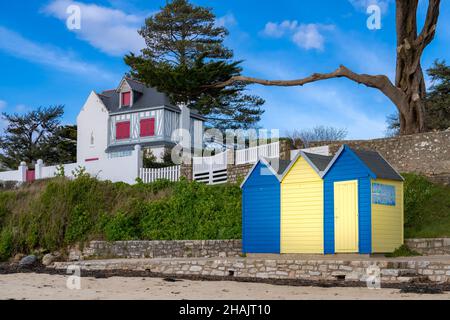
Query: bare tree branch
(429, 28)
(380, 82)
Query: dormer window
(126, 99)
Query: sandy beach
(44, 286)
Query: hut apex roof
(276, 166)
(374, 162)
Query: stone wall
(237, 173)
(425, 153)
(186, 171)
(156, 249)
(394, 270)
(430, 247)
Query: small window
(126, 99)
(123, 130)
(148, 127)
(383, 194)
(92, 139)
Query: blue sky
(44, 63)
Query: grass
(403, 251)
(52, 214)
(427, 208)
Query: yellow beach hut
(302, 204)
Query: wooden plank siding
(302, 210)
(261, 212)
(387, 221)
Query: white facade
(97, 126)
(92, 130)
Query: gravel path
(45, 286)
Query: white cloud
(228, 20)
(2, 104)
(362, 5)
(16, 45)
(305, 36)
(21, 108)
(110, 30)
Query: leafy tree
(438, 98)
(35, 135)
(185, 54)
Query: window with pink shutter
(148, 127)
(123, 130)
(126, 99)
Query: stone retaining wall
(393, 271)
(424, 153)
(156, 249)
(430, 247)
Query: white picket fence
(152, 175)
(251, 155)
(210, 170)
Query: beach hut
(363, 203)
(302, 210)
(261, 207)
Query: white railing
(205, 164)
(251, 155)
(210, 170)
(152, 175)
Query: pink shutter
(123, 130)
(147, 127)
(126, 99)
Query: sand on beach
(44, 286)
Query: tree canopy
(37, 134)
(184, 54)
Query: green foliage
(80, 172)
(438, 98)
(37, 134)
(403, 251)
(60, 171)
(54, 213)
(184, 58)
(427, 208)
(6, 244)
(437, 102)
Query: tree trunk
(409, 92)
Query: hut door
(346, 216)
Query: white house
(113, 122)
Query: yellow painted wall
(387, 221)
(302, 210)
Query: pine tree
(185, 56)
(438, 98)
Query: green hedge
(58, 212)
(55, 213)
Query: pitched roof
(144, 98)
(320, 161)
(378, 165)
(272, 165)
(373, 161)
(316, 161)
